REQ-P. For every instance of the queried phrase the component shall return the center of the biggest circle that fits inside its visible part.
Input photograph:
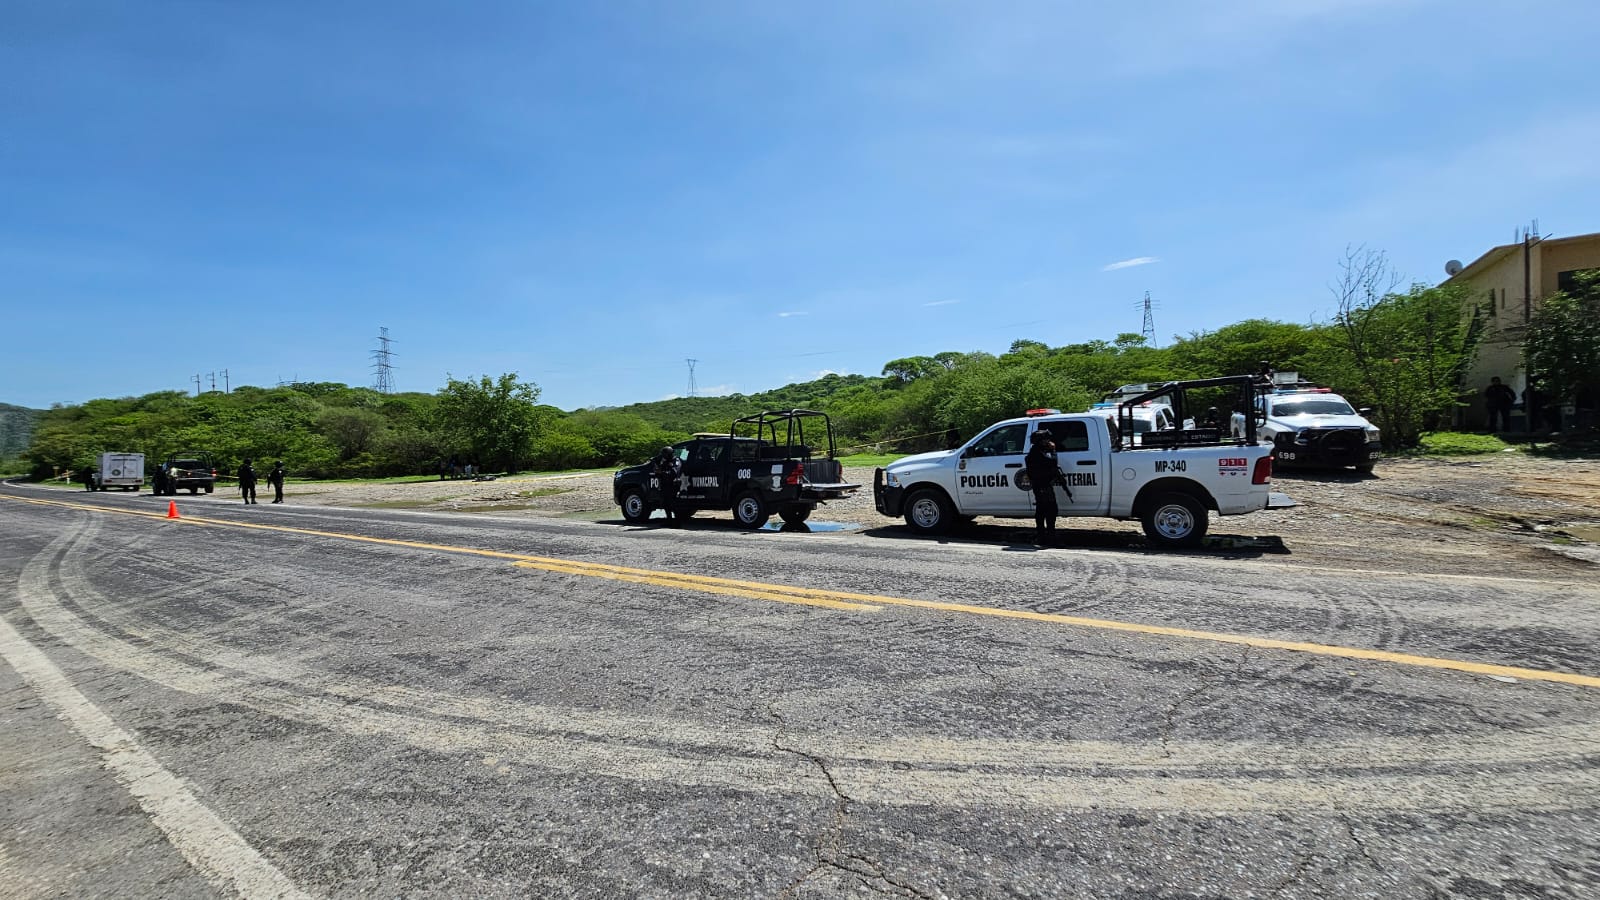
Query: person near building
(275, 478)
(668, 469)
(1498, 399)
(1044, 473)
(247, 481)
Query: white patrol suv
(1169, 486)
(1310, 425)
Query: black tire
(794, 515)
(928, 511)
(1175, 520)
(208, 489)
(1365, 467)
(750, 511)
(193, 491)
(635, 509)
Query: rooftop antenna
(692, 387)
(383, 379)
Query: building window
(1567, 282)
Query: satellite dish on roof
(1452, 268)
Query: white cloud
(941, 303)
(1130, 263)
(789, 314)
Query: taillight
(794, 475)
(1263, 470)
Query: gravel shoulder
(1505, 514)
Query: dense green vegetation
(1563, 344)
(16, 432)
(1398, 352)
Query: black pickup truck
(193, 470)
(763, 465)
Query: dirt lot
(1509, 513)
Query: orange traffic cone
(172, 509)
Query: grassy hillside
(691, 414)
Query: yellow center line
(845, 600)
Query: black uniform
(247, 481)
(158, 481)
(1043, 473)
(668, 470)
(275, 478)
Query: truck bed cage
(1176, 392)
(791, 442)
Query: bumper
(1327, 453)
(887, 499)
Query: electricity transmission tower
(383, 378)
(1149, 329)
(692, 387)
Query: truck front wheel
(1175, 520)
(750, 511)
(634, 507)
(928, 511)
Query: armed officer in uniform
(668, 470)
(1044, 473)
(247, 481)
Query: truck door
(705, 476)
(1082, 458)
(987, 473)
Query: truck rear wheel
(634, 507)
(750, 511)
(794, 515)
(1175, 520)
(928, 511)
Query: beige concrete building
(1505, 287)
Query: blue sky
(587, 194)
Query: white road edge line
(207, 842)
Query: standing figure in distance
(247, 481)
(275, 478)
(668, 470)
(1498, 399)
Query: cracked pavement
(412, 714)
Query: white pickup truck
(1169, 488)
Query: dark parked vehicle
(189, 470)
(765, 464)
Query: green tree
(493, 420)
(1403, 352)
(1563, 342)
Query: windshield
(1322, 406)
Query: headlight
(890, 479)
(1371, 433)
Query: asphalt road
(279, 701)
